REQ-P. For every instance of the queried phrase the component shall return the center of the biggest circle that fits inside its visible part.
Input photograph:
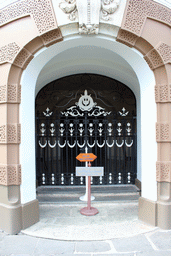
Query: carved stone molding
(10, 93)
(165, 52)
(159, 56)
(10, 174)
(163, 171)
(23, 58)
(10, 134)
(12, 53)
(41, 11)
(153, 59)
(51, 37)
(127, 38)
(163, 132)
(163, 93)
(8, 52)
(89, 13)
(137, 12)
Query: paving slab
(132, 244)
(154, 253)
(49, 246)
(115, 254)
(161, 239)
(18, 245)
(92, 247)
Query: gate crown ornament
(86, 102)
(89, 12)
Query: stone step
(101, 193)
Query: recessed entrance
(85, 111)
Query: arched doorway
(85, 111)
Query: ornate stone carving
(2, 134)
(137, 12)
(157, 132)
(19, 93)
(3, 175)
(23, 58)
(10, 133)
(165, 52)
(126, 38)
(19, 133)
(10, 93)
(163, 171)
(163, 93)
(8, 52)
(10, 174)
(41, 11)
(89, 12)
(3, 93)
(153, 59)
(148, 62)
(51, 37)
(163, 132)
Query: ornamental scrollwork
(89, 13)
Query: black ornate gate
(87, 119)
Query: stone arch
(137, 33)
(134, 33)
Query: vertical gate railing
(61, 136)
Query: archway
(85, 111)
(73, 57)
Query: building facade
(43, 42)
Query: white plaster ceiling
(87, 55)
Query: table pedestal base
(89, 211)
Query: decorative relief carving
(153, 59)
(22, 58)
(8, 52)
(2, 134)
(163, 93)
(19, 94)
(148, 62)
(10, 175)
(89, 13)
(10, 133)
(157, 93)
(163, 132)
(138, 11)
(3, 93)
(19, 174)
(165, 52)
(157, 132)
(157, 171)
(19, 132)
(41, 11)
(126, 37)
(163, 170)
(3, 175)
(12, 93)
(51, 37)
